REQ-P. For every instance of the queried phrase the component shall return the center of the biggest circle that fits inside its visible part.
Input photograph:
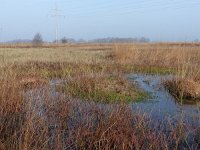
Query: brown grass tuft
(183, 88)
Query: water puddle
(159, 106)
(162, 104)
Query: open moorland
(100, 96)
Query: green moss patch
(106, 89)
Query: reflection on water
(159, 106)
(161, 103)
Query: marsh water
(159, 105)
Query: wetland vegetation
(100, 96)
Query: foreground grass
(66, 123)
(43, 121)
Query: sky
(159, 20)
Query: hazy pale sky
(159, 20)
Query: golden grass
(184, 58)
(67, 123)
(12, 55)
(183, 89)
(167, 55)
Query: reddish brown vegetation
(32, 81)
(183, 88)
(43, 121)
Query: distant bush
(37, 40)
(64, 40)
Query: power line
(56, 14)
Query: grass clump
(11, 111)
(102, 89)
(183, 89)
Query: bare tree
(64, 40)
(37, 40)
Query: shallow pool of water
(161, 103)
(159, 106)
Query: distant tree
(144, 40)
(37, 40)
(64, 40)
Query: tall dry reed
(184, 57)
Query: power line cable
(56, 14)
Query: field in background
(184, 58)
(10, 54)
(93, 71)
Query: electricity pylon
(56, 14)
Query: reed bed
(37, 118)
(183, 58)
(66, 123)
(165, 55)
